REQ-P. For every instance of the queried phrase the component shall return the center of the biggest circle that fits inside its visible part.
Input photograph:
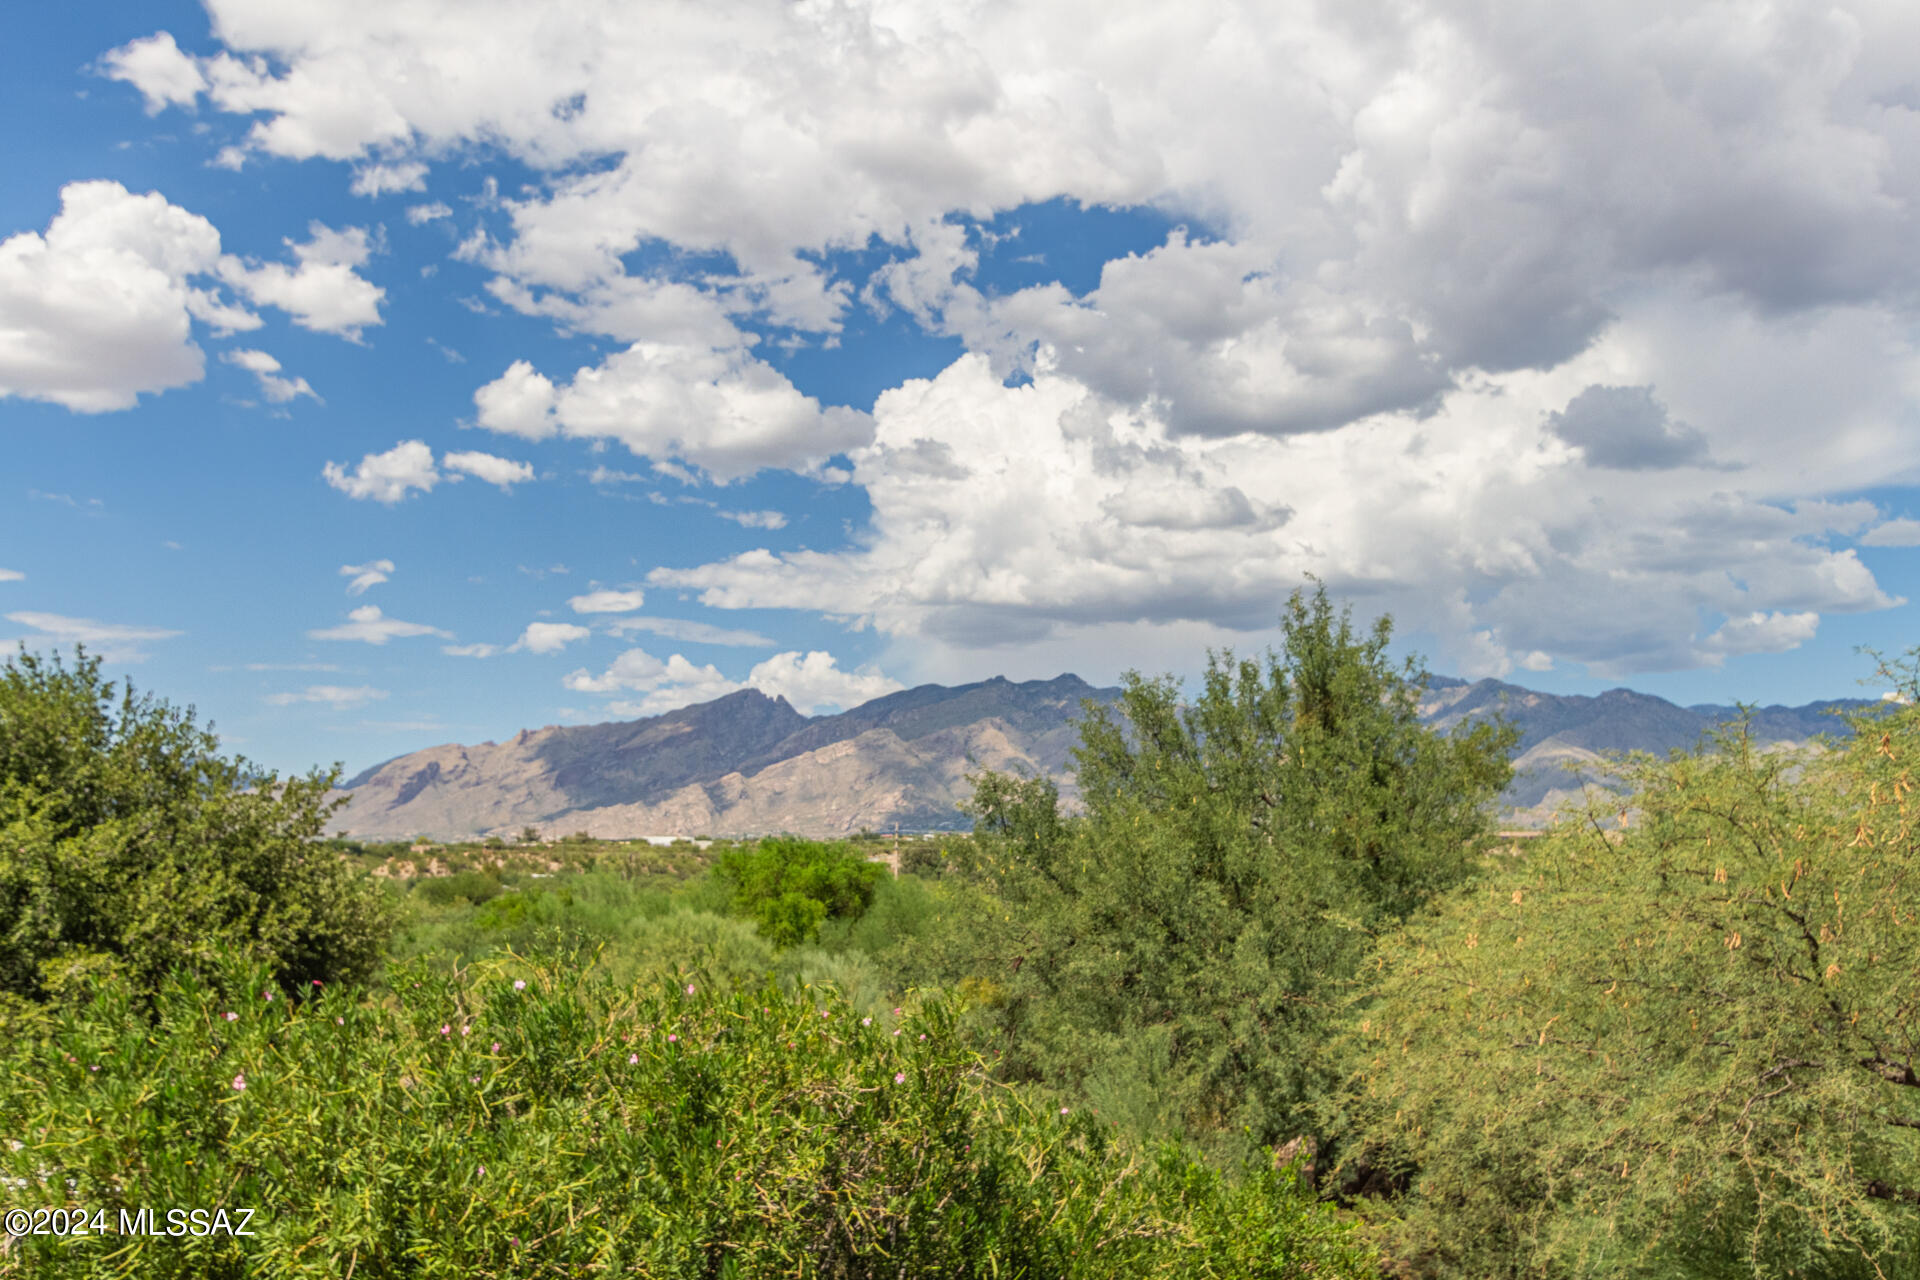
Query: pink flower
(473, 1079)
(689, 988)
(483, 1171)
(267, 994)
(231, 1016)
(339, 1022)
(519, 984)
(823, 1013)
(896, 1031)
(633, 1059)
(444, 1029)
(1063, 1111)
(318, 983)
(899, 1077)
(923, 1035)
(496, 1047)
(866, 1022)
(671, 1039)
(465, 1030)
(896, 1013)
(240, 1081)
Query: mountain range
(751, 764)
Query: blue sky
(373, 376)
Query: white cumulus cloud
(549, 637)
(814, 682)
(811, 682)
(386, 477)
(720, 409)
(321, 290)
(101, 307)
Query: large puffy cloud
(1075, 517)
(1440, 189)
(101, 307)
(1546, 331)
(723, 410)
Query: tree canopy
(1177, 950)
(129, 843)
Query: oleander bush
(130, 845)
(528, 1118)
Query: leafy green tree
(128, 843)
(1176, 951)
(1677, 1041)
(790, 887)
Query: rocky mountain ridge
(748, 764)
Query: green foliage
(128, 843)
(790, 887)
(1236, 857)
(1685, 1048)
(461, 886)
(521, 1120)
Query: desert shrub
(790, 887)
(1682, 1048)
(523, 1120)
(462, 886)
(128, 843)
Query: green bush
(1682, 1048)
(128, 843)
(521, 1120)
(790, 887)
(461, 886)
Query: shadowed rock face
(747, 763)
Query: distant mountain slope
(1561, 730)
(747, 763)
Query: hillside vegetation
(1276, 1002)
